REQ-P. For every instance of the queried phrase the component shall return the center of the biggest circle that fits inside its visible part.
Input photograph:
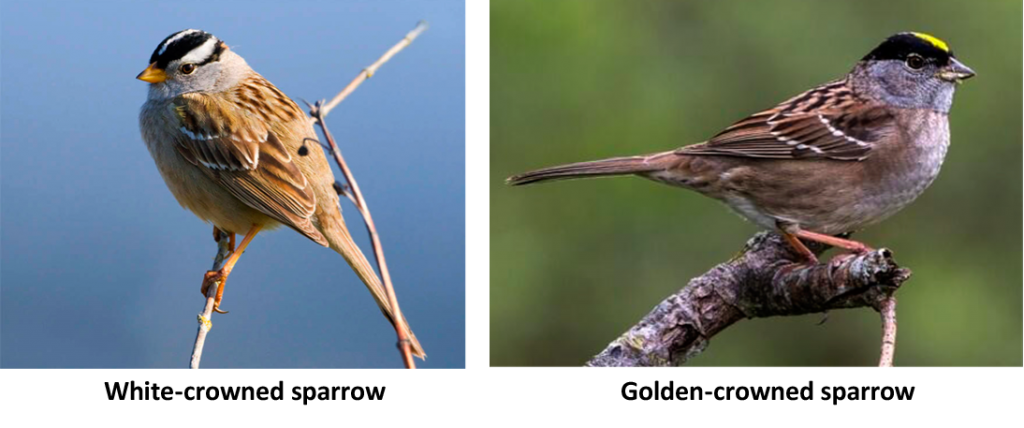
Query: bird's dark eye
(187, 68)
(915, 61)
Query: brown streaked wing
(249, 160)
(826, 122)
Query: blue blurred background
(101, 266)
(576, 264)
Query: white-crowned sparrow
(240, 154)
(834, 159)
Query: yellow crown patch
(935, 41)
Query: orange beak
(152, 74)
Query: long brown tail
(600, 168)
(341, 241)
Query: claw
(209, 279)
(218, 278)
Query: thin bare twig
(205, 324)
(318, 112)
(887, 309)
(378, 251)
(368, 72)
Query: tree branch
(318, 112)
(223, 252)
(887, 308)
(765, 279)
(368, 72)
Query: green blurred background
(575, 264)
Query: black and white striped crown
(193, 46)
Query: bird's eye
(187, 68)
(915, 61)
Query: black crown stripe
(901, 45)
(180, 47)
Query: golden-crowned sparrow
(227, 143)
(834, 159)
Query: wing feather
(826, 122)
(248, 159)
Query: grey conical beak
(956, 71)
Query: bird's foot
(215, 278)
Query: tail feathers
(343, 244)
(601, 168)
